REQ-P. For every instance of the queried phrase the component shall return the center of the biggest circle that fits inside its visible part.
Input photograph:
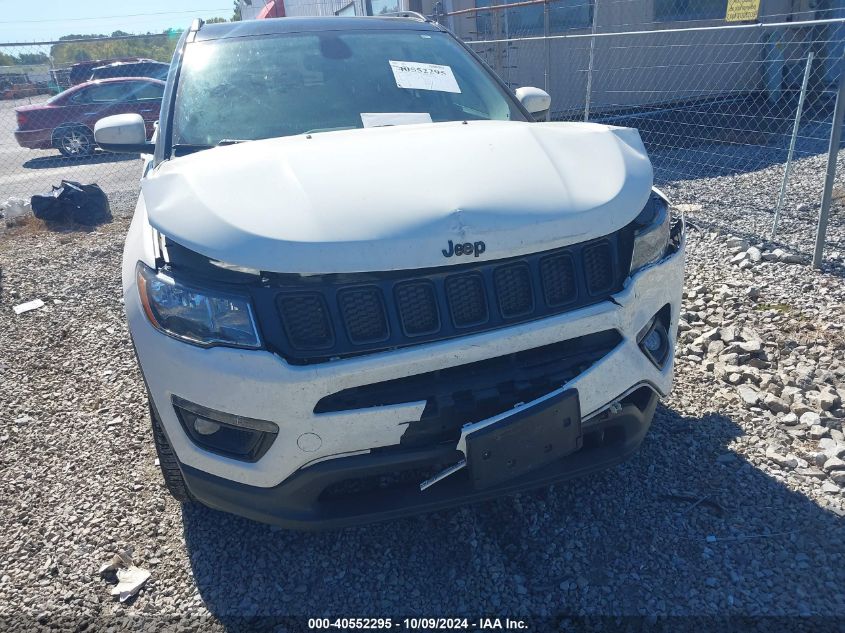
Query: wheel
(74, 142)
(168, 463)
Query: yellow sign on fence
(742, 10)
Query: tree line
(157, 46)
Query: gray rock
(810, 418)
(820, 458)
(817, 432)
(776, 405)
(830, 488)
(754, 254)
(738, 258)
(784, 461)
(834, 463)
(751, 347)
(811, 471)
(799, 407)
(749, 396)
(828, 400)
(728, 334)
(738, 242)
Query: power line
(110, 17)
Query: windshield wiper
(317, 130)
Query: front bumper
(314, 498)
(261, 385)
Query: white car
(363, 281)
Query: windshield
(263, 87)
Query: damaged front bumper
(380, 486)
(338, 467)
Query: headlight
(651, 239)
(201, 317)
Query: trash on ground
(130, 581)
(73, 202)
(29, 305)
(128, 577)
(16, 211)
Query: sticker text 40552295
(419, 76)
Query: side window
(380, 7)
(108, 93)
(81, 96)
(528, 20)
(683, 10)
(143, 91)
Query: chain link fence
(48, 110)
(715, 103)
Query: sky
(38, 20)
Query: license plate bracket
(527, 440)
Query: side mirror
(536, 101)
(123, 133)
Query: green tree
(33, 59)
(152, 46)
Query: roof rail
(196, 25)
(405, 14)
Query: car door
(77, 108)
(102, 100)
(145, 99)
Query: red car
(66, 121)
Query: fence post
(592, 57)
(789, 154)
(547, 45)
(833, 152)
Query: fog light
(205, 427)
(652, 342)
(654, 339)
(234, 436)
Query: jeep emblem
(466, 248)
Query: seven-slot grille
(347, 315)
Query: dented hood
(392, 198)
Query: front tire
(74, 142)
(169, 463)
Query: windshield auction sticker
(418, 76)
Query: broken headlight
(651, 236)
(201, 317)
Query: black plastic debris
(73, 202)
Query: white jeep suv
(363, 281)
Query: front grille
(363, 314)
(306, 321)
(466, 299)
(417, 305)
(559, 283)
(513, 290)
(315, 319)
(598, 267)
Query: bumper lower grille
(468, 393)
(333, 316)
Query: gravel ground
(733, 505)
